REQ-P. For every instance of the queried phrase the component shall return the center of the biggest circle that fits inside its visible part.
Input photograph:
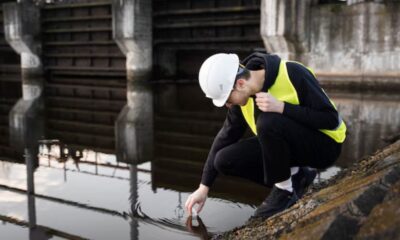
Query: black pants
(281, 143)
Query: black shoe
(277, 201)
(302, 180)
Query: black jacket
(315, 110)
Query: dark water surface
(83, 193)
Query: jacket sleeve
(231, 131)
(315, 109)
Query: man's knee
(222, 162)
(270, 123)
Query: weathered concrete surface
(284, 27)
(361, 202)
(134, 125)
(351, 45)
(22, 32)
(361, 38)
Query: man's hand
(197, 197)
(267, 103)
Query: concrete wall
(358, 38)
(284, 27)
(362, 38)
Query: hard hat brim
(221, 101)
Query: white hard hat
(217, 77)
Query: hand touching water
(197, 197)
(268, 103)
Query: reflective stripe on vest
(284, 90)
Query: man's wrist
(203, 188)
(282, 107)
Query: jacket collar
(269, 62)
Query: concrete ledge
(360, 81)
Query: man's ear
(240, 83)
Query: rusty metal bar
(78, 43)
(89, 55)
(66, 86)
(78, 5)
(67, 19)
(118, 83)
(227, 23)
(74, 30)
(208, 40)
(206, 11)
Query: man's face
(239, 95)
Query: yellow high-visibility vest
(284, 90)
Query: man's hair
(243, 72)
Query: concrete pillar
(285, 27)
(132, 31)
(32, 162)
(134, 198)
(22, 32)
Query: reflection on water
(86, 194)
(370, 119)
(72, 192)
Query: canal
(84, 193)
